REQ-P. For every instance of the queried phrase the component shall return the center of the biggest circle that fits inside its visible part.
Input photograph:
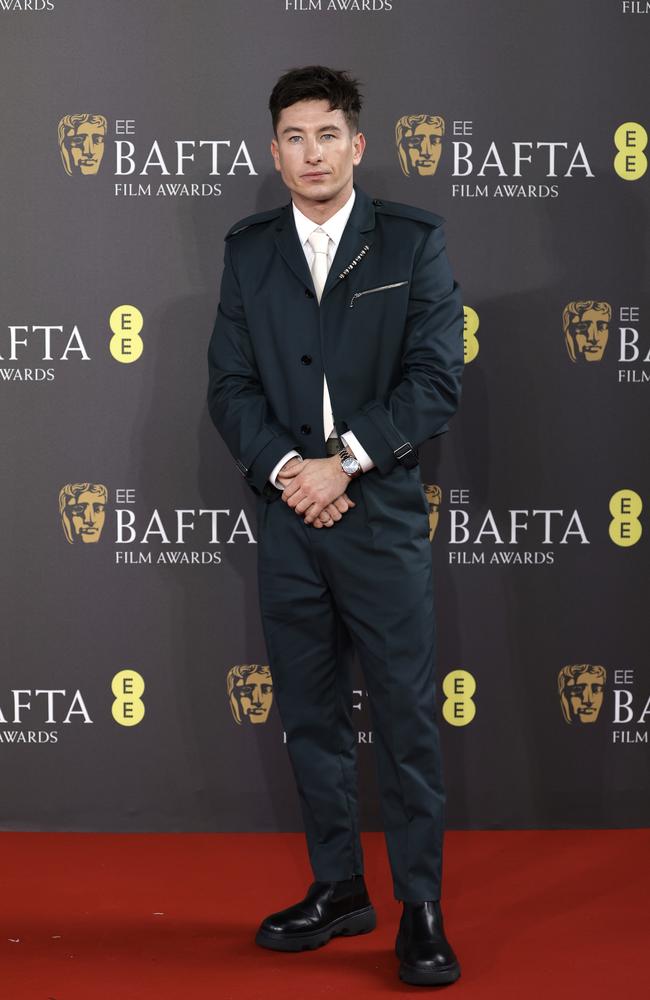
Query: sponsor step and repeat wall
(135, 690)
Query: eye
(328, 135)
(292, 137)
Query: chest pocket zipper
(379, 288)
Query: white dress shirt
(334, 227)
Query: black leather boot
(427, 958)
(329, 908)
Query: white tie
(319, 242)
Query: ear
(275, 152)
(359, 144)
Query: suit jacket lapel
(356, 240)
(287, 242)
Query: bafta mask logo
(250, 693)
(434, 497)
(81, 143)
(580, 687)
(419, 143)
(82, 508)
(586, 329)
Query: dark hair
(317, 83)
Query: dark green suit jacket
(388, 333)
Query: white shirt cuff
(365, 461)
(276, 468)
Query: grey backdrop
(534, 431)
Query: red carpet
(531, 914)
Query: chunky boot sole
(419, 977)
(357, 922)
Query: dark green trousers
(367, 580)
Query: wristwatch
(351, 466)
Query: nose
(90, 516)
(313, 151)
(88, 146)
(592, 331)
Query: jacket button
(309, 293)
(376, 201)
(305, 429)
(306, 359)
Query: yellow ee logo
(470, 328)
(126, 345)
(458, 708)
(630, 162)
(128, 707)
(625, 528)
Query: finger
(334, 511)
(296, 496)
(289, 491)
(305, 504)
(313, 510)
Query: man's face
(423, 148)
(86, 515)
(589, 333)
(254, 695)
(86, 148)
(314, 150)
(585, 697)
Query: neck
(321, 211)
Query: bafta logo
(434, 497)
(580, 687)
(250, 693)
(81, 143)
(419, 143)
(586, 329)
(82, 510)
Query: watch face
(350, 465)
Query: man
(337, 350)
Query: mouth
(315, 175)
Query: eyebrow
(321, 128)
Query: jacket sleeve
(236, 399)
(432, 364)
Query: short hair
(317, 83)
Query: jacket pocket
(379, 288)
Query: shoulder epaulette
(408, 211)
(252, 220)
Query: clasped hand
(315, 488)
